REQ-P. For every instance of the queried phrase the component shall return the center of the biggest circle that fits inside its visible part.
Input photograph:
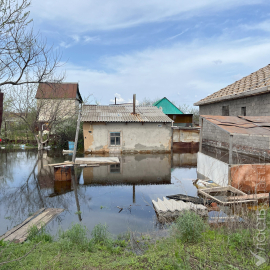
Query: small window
(115, 168)
(115, 138)
(243, 111)
(225, 110)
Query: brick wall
(255, 106)
(245, 144)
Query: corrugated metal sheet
(250, 125)
(58, 90)
(119, 113)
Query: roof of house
(256, 83)
(167, 106)
(249, 125)
(58, 90)
(120, 113)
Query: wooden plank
(63, 163)
(250, 196)
(42, 222)
(235, 190)
(208, 195)
(222, 189)
(21, 234)
(22, 224)
(215, 189)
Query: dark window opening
(243, 111)
(225, 110)
(115, 138)
(115, 168)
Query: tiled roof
(58, 90)
(167, 106)
(249, 125)
(248, 85)
(120, 113)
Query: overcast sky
(184, 50)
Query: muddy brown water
(99, 193)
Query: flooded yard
(97, 194)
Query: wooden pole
(77, 135)
(115, 101)
(201, 134)
(134, 103)
(231, 149)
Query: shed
(179, 118)
(118, 129)
(243, 134)
(57, 100)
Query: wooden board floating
(63, 163)
(97, 160)
(42, 217)
(173, 208)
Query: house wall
(135, 137)
(258, 105)
(247, 144)
(62, 108)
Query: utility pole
(77, 135)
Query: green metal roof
(167, 106)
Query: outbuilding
(126, 128)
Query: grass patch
(217, 248)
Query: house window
(225, 110)
(115, 138)
(115, 168)
(243, 111)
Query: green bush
(241, 239)
(100, 234)
(189, 227)
(75, 236)
(36, 235)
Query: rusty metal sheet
(251, 178)
(235, 124)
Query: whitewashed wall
(213, 169)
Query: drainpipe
(134, 103)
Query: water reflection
(93, 194)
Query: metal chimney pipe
(134, 103)
(115, 101)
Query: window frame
(226, 110)
(114, 136)
(244, 111)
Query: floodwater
(97, 194)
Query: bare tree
(43, 116)
(24, 56)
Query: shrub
(100, 234)
(189, 227)
(76, 235)
(36, 235)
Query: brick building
(237, 117)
